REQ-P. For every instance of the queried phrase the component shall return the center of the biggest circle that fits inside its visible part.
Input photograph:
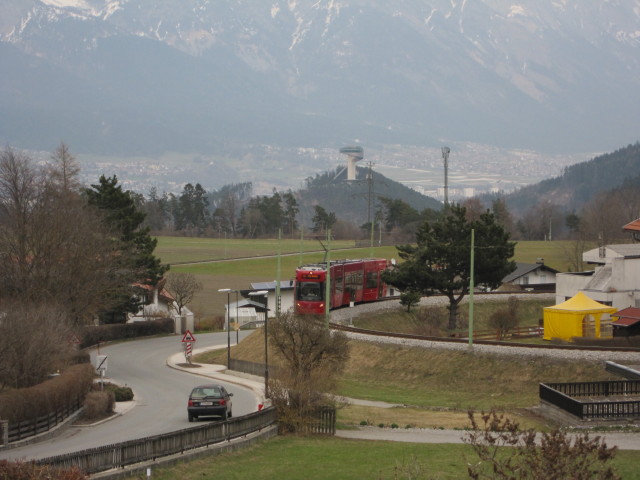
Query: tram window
(372, 279)
(310, 291)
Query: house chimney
(540, 261)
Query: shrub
(550, 455)
(31, 471)
(121, 394)
(52, 395)
(410, 299)
(210, 323)
(98, 404)
(505, 320)
(430, 321)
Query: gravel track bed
(344, 314)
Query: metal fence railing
(605, 399)
(120, 455)
(252, 368)
(622, 370)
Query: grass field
(334, 458)
(221, 267)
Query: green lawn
(238, 274)
(334, 458)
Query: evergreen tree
(126, 221)
(323, 220)
(441, 260)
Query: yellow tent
(577, 317)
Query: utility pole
(445, 158)
(370, 182)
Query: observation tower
(354, 154)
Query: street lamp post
(237, 318)
(264, 293)
(228, 291)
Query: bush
(50, 396)
(430, 321)
(121, 394)
(210, 323)
(410, 299)
(506, 319)
(551, 455)
(31, 471)
(98, 404)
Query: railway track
(465, 341)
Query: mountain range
(145, 77)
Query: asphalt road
(161, 393)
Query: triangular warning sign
(188, 337)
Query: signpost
(188, 340)
(101, 368)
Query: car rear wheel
(192, 418)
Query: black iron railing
(600, 400)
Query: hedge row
(91, 336)
(31, 471)
(50, 396)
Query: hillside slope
(353, 201)
(581, 182)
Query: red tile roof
(627, 317)
(633, 226)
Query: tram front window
(310, 291)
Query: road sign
(101, 363)
(188, 337)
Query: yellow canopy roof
(582, 303)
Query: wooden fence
(131, 452)
(612, 405)
(324, 421)
(517, 332)
(34, 426)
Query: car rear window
(206, 392)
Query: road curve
(161, 396)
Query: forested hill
(349, 200)
(581, 182)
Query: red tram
(351, 281)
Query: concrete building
(615, 280)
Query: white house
(157, 302)
(251, 309)
(615, 280)
(532, 276)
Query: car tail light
(190, 403)
(223, 402)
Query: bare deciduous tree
(64, 170)
(35, 341)
(183, 287)
(54, 248)
(313, 357)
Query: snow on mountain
(142, 75)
